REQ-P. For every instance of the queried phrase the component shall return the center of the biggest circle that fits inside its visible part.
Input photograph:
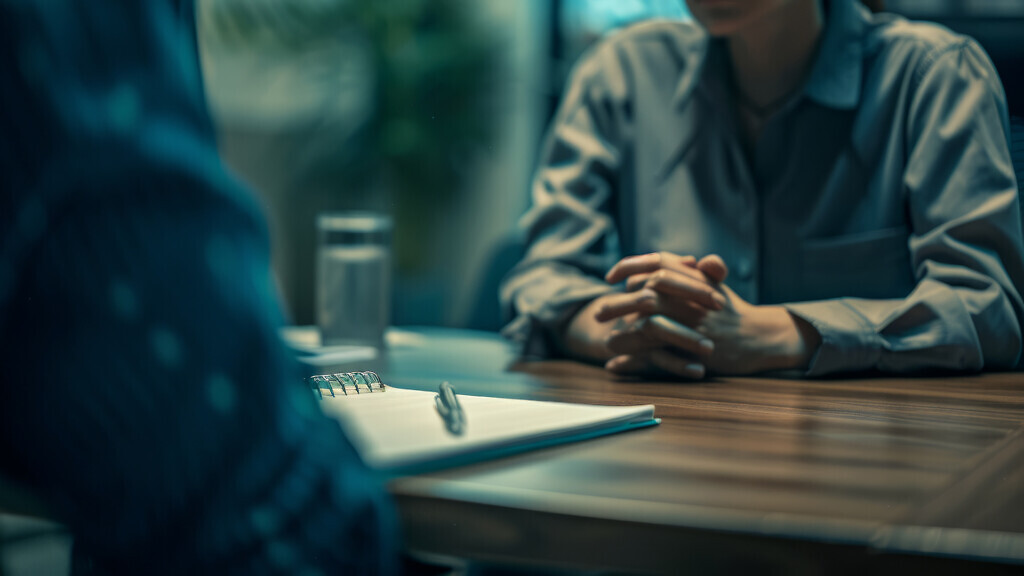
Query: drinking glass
(353, 299)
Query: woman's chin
(724, 22)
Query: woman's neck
(770, 58)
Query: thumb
(713, 267)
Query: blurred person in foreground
(146, 398)
(795, 185)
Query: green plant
(432, 69)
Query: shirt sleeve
(146, 397)
(965, 311)
(570, 233)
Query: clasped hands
(678, 317)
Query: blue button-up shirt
(879, 203)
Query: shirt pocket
(873, 264)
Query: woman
(850, 170)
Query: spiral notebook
(398, 430)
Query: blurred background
(431, 110)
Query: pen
(447, 404)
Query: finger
(677, 365)
(640, 264)
(664, 329)
(617, 305)
(632, 340)
(658, 331)
(679, 309)
(636, 282)
(646, 263)
(627, 364)
(671, 283)
(713, 267)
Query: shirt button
(744, 269)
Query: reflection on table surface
(743, 473)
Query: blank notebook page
(401, 427)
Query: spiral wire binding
(345, 384)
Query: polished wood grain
(806, 476)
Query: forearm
(938, 326)
(783, 341)
(545, 297)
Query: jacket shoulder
(662, 48)
(915, 40)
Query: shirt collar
(835, 76)
(697, 55)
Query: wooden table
(743, 474)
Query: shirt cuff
(849, 342)
(542, 313)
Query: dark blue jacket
(145, 395)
